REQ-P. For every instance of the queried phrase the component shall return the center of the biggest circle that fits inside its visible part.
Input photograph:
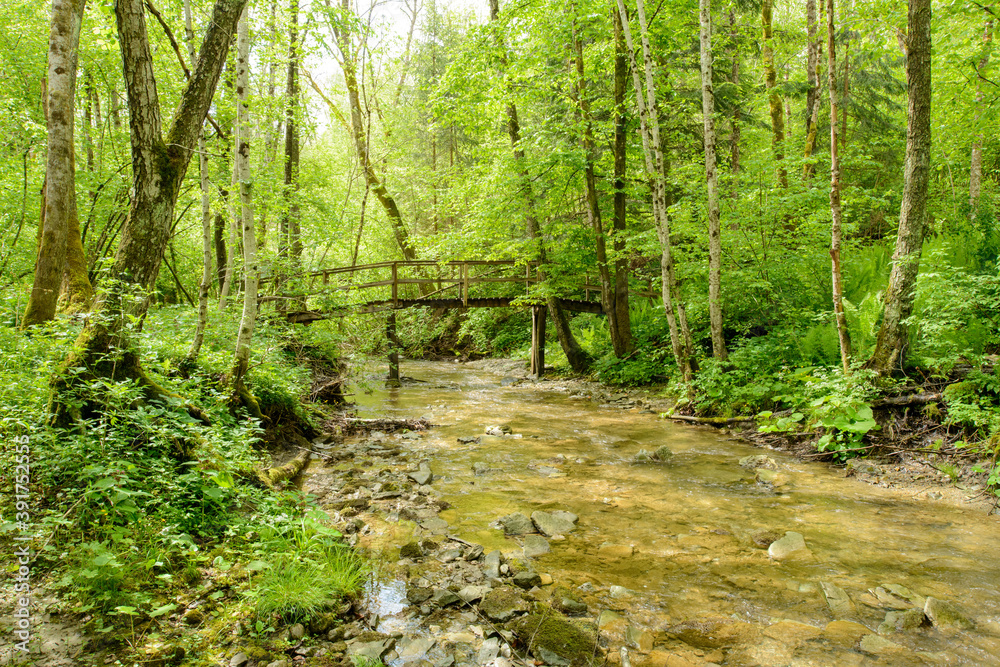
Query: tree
(618, 321)
(774, 100)
(578, 359)
(206, 208)
(645, 96)
(60, 172)
(159, 163)
(813, 97)
(244, 181)
(835, 210)
(891, 343)
(976, 154)
(712, 182)
(620, 169)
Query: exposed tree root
(271, 477)
(96, 359)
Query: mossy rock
(502, 604)
(556, 640)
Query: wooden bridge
(389, 286)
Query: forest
(779, 219)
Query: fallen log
(909, 399)
(713, 421)
(278, 474)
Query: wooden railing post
(465, 284)
(395, 285)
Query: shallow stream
(690, 523)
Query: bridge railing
(395, 284)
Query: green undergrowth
(138, 505)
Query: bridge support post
(538, 314)
(390, 333)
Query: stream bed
(676, 560)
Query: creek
(659, 545)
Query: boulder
(502, 604)
(371, 645)
(480, 468)
(418, 594)
(840, 603)
(498, 431)
(491, 564)
(758, 461)
(662, 454)
(550, 524)
(411, 550)
(789, 546)
(535, 545)
(902, 621)
(470, 594)
(517, 524)
(946, 616)
(556, 640)
(470, 440)
(765, 538)
(442, 597)
(527, 579)
(421, 475)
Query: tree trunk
(578, 359)
(361, 141)
(835, 211)
(76, 291)
(734, 123)
(976, 157)
(159, 163)
(206, 209)
(890, 346)
(60, 171)
(608, 284)
(712, 183)
(244, 180)
(680, 336)
(774, 97)
(813, 98)
(621, 168)
(292, 221)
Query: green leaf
(160, 611)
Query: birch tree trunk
(976, 156)
(244, 181)
(835, 211)
(206, 209)
(360, 132)
(774, 100)
(650, 127)
(736, 120)
(813, 98)
(159, 163)
(578, 359)
(711, 182)
(60, 171)
(891, 344)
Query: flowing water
(691, 520)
